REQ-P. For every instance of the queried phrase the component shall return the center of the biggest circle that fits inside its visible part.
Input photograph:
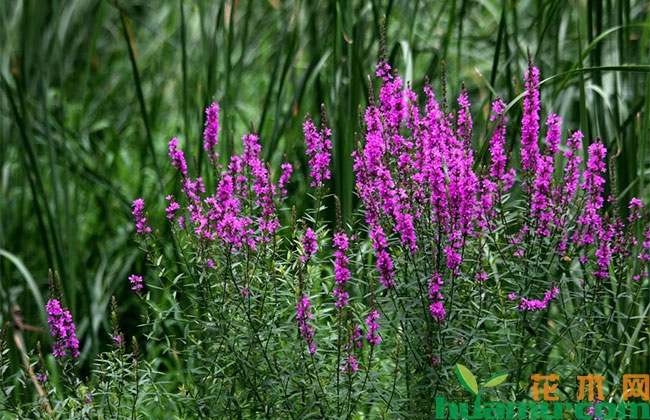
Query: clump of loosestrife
(491, 261)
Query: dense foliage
(347, 280)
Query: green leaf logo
(467, 379)
(496, 380)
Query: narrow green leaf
(467, 379)
(29, 279)
(496, 380)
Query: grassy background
(93, 90)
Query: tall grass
(91, 89)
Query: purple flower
(138, 215)
(644, 255)
(262, 186)
(436, 307)
(310, 244)
(350, 364)
(341, 270)
(537, 305)
(62, 330)
(563, 194)
(211, 132)
(178, 159)
(636, 207)
(590, 222)
(553, 122)
(354, 340)
(136, 281)
(481, 276)
(530, 121)
(542, 207)
(172, 208)
(385, 267)
(497, 143)
(541, 200)
(306, 331)
(464, 119)
(635, 203)
(318, 149)
(373, 337)
(284, 178)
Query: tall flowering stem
(319, 146)
(303, 314)
(310, 244)
(62, 329)
(373, 336)
(590, 223)
(497, 143)
(177, 156)
(530, 121)
(224, 216)
(536, 305)
(436, 307)
(138, 215)
(211, 132)
(341, 270)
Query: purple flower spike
(62, 330)
(373, 337)
(535, 304)
(554, 123)
(211, 132)
(341, 270)
(310, 244)
(530, 121)
(140, 220)
(287, 169)
(318, 149)
(302, 316)
(178, 158)
(436, 307)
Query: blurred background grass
(93, 90)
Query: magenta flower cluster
(373, 336)
(136, 282)
(426, 202)
(341, 270)
(140, 220)
(417, 167)
(241, 212)
(211, 132)
(302, 316)
(354, 342)
(436, 307)
(62, 330)
(318, 149)
(530, 121)
(536, 304)
(310, 244)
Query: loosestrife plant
(514, 266)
